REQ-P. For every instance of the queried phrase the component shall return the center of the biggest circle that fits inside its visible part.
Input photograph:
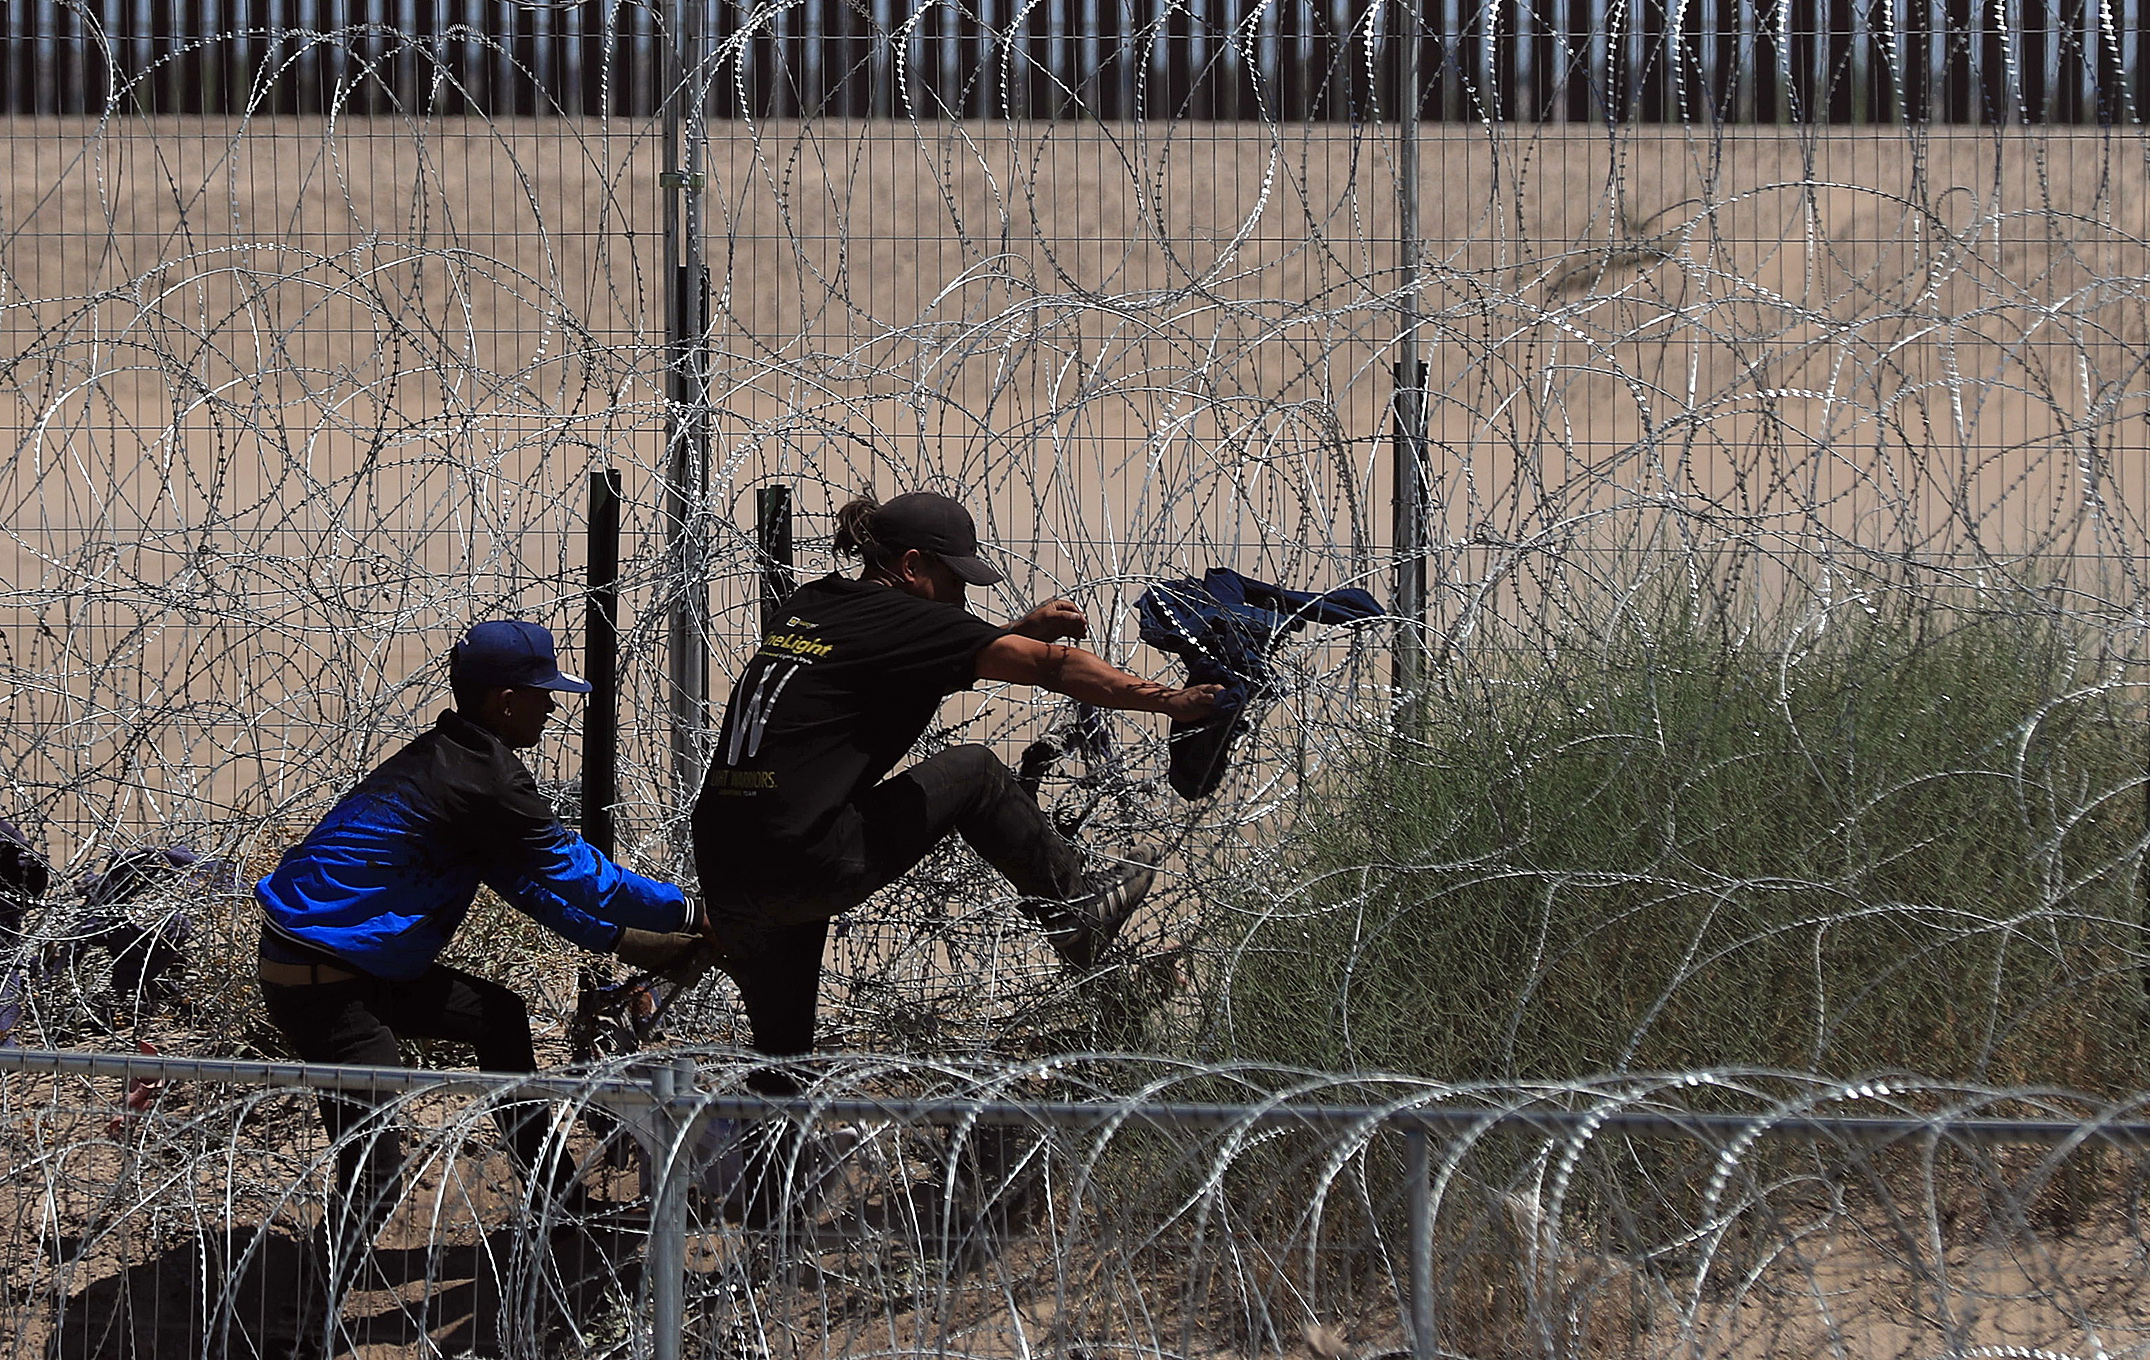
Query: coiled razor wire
(293, 397)
(1093, 1204)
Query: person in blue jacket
(355, 916)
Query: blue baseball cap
(510, 653)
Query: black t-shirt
(843, 685)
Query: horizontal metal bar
(331, 1076)
(1449, 1121)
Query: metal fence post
(772, 536)
(1408, 474)
(1421, 1174)
(687, 369)
(601, 657)
(670, 1084)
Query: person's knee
(978, 762)
(502, 1005)
(977, 768)
(504, 1042)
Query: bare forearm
(1088, 678)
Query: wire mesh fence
(291, 400)
(1093, 1205)
(1784, 627)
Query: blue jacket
(1224, 626)
(390, 872)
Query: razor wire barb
(1784, 630)
(1133, 1207)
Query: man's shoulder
(849, 601)
(452, 737)
(456, 756)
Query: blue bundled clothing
(1224, 627)
(389, 874)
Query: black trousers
(358, 1021)
(774, 917)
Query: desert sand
(287, 401)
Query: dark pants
(358, 1022)
(774, 917)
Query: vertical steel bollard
(1421, 1173)
(772, 537)
(672, 1084)
(601, 658)
(1411, 529)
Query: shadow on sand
(254, 1292)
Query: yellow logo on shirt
(796, 644)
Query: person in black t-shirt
(800, 819)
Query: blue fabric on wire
(1224, 628)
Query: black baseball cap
(931, 522)
(510, 653)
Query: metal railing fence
(935, 1209)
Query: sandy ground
(285, 401)
(142, 1241)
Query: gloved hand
(655, 952)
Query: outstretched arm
(1088, 678)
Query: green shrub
(1906, 841)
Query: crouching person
(355, 916)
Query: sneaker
(1083, 927)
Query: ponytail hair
(855, 536)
